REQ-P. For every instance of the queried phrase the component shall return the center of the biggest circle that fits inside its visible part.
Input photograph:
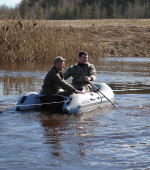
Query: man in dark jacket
(54, 80)
(83, 72)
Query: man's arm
(62, 83)
(66, 86)
(93, 73)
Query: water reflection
(124, 75)
(52, 125)
(17, 84)
(128, 59)
(16, 79)
(17, 67)
(13, 87)
(67, 135)
(58, 129)
(124, 64)
(131, 88)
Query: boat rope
(2, 108)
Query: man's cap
(58, 59)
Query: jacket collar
(81, 64)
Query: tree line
(78, 9)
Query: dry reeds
(40, 41)
(33, 42)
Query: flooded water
(107, 138)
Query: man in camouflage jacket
(83, 72)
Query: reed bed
(40, 41)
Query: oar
(102, 94)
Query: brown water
(108, 138)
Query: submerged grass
(40, 41)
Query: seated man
(83, 72)
(54, 80)
(52, 84)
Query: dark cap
(58, 59)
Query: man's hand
(87, 79)
(78, 92)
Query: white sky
(9, 3)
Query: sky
(9, 3)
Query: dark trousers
(53, 102)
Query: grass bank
(40, 41)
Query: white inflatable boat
(100, 96)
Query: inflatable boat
(100, 96)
